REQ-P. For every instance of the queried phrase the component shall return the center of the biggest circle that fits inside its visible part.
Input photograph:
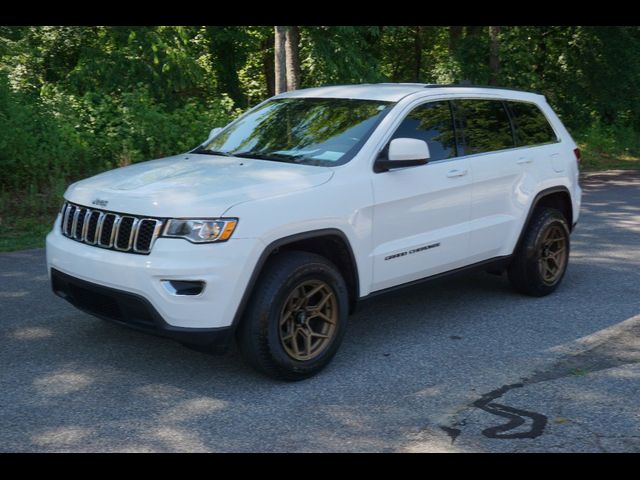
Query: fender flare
(539, 196)
(281, 242)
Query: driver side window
(433, 123)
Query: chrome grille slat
(135, 237)
(93, 214)
(117, 240)
(69, 220)
(134, 231)
(99, 227)
(76, 214)
(65, 218)
(80, 224)
(78, 230)
(155, 232)
(108, 222)
(85, 224)
(114, 231)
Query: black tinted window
(532, 127)
(486, 125)
(432, 123)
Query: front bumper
(133, 311)
(224, 267)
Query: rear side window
(531, 126)
(433, 123)
(485, 125)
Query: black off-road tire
(524, 272)
(258, 334)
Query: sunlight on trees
(91, 98)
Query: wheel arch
(557, 197)
(331, 243)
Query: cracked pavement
(457, 365)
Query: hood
(192, 185)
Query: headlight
(201, 231)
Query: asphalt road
(461, 364)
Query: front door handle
(523, 160)
(456, 173)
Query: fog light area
(184, 287)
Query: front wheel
(540, 262)
(296, 317)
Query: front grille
(115, 231)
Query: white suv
(273, 229)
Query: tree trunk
(268, 65)
(280, 60)
(226, 54)
(455, 34)
(417, 53)
(541, 54)
(474, 30)
(292, 39)
(494, 55)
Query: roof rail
(402, 84)
(469, 85)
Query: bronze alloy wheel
(308, 320)
(553, 254)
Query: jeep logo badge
(100, 202)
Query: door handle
(523, 160)
(456, 173)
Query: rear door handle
(523, 160)
(456, 173)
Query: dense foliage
(78, 100)
(74, 100)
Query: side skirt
(492, 264)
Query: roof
(389, 92)
(393, 92)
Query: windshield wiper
(267, 156)
(206, 151)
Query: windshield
(311, 131)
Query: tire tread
(253, 340)
(521, 272)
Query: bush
(61, 138)
(616, 139)
(34, 145)
(51, 140)
(609, 147)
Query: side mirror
(404, 152)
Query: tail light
(576, 152)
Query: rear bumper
(132, 310)
(577, 204)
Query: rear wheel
(296, 318)
(540, 262)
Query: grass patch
(25, 233)
(26, 218)
(595, 159)
(610, 147)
